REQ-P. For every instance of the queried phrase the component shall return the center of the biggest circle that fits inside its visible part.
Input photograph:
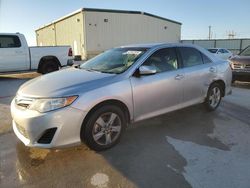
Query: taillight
(70, 53)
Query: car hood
(241, 59)
(66, 82)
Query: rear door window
(225, 51)
(221, 51)
(206, 59)
(190, 56)
(8, 41)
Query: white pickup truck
(15, 55)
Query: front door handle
(212, 69)
(179, 76)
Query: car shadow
(9, 87)
(147, 158)
(143, 158)
(244, 85)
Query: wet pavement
(186, 148)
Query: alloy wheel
(214, 97)
(107, 128)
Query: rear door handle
(212, 69)
(18, 51)
(179, 76)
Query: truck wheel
(213, 98)
(104, 128)
(49, 66)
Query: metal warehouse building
(91, 31)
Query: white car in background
(16, 55)
(221, 53)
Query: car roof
(153, 46)
(156, 45)
(214, 48)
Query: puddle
(213, 167)
(100, 180)
(5, 117)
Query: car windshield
(245, 52)
(212, 50)
(114, 61)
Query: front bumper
(29, 126)
(241, 75)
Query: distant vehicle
(96, 102)
(221, 53)
(15, 55)
(240, 65)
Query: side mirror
(147, 70)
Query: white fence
(234, 45)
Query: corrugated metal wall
(122, 28)
(234, 45)
(105, 30)
(46, 36)
(68, 31)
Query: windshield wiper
(108, 72)
(90, 70)
(95, 70)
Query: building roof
(109, 11)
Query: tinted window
(221, 51)
(225, 51)
(7, 41)
(213, 50)
(206, 59)
(190, 56)
(163, 60)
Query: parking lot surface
(185, 148)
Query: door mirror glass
(147, 70)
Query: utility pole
(209, 32)
(231, 35)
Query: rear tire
(214, 96)
(104, 128)
(49, 66)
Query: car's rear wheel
(49, 66)
(214, 96)
(104, 128)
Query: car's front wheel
(104, 128)
(213, 98)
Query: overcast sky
(25, 16)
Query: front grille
(23, 102)
(247, 66)
(23, 105)
(238, 66)
(22, 131)
(47, 136)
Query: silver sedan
(95, 103)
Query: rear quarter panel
(37, 53)
(224, 73)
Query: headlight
(231, 63)
(46, 105)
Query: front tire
(214, 96)
(104, 128)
